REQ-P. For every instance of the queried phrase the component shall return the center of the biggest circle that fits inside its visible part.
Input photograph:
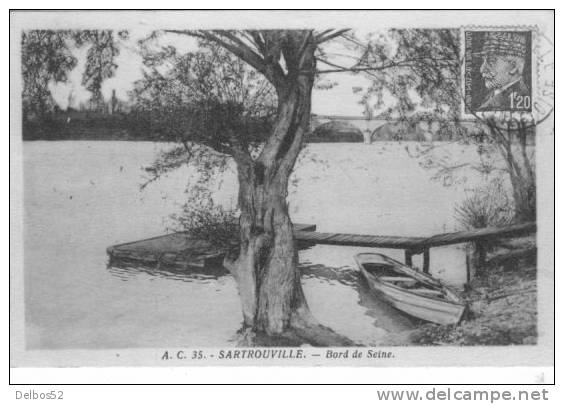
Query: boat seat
(396, 279)
(427, 291)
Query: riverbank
(503, 309)
(90, 125)
(75, 301)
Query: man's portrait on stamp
(497, 75)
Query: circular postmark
(543, 104)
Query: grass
(487, 206)
(503, 310)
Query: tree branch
(259, 41)
(327, 35)
(271, 70)
(339, 69)
(522, 133)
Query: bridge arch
(351, 128)
(337, 131)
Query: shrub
(210, 222)
(486, 206)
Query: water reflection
(383, 317)
(338, 296)
(72, 301)
(343, 275)
(125, 270)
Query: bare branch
(401, 63)
(259, 41)
(327, 35)
(359, 69)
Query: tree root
(306, 327)
(304, 330)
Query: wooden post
(468, 270)
(475, 259)
(408, 258)
(480, 256)
(426, 260)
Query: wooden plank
(468, 271)
(304, 227)
(396, 279)
(415, 244)
(186, 248)
(426, 261)
(344, 238)
(408, 258)
(480, 254)
(311, 236)
(360, 240)
(479, 234)
(175, 249)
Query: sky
(339, 100)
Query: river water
(80, 197)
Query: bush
(209, 222)
(486, 206)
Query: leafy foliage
(204, 220)
(208, 163)
(208, 96)
(100, 59)
(46, 57)
(419, 68)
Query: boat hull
(431, 309)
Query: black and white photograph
(234, 188)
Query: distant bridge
(367, 126)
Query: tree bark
(521, 174)
(266, 266)
(512, 144)
(524, 182)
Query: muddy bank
(502, 309)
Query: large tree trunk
(266, 267)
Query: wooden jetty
(418, 245)
(175, 249)
(179, 249)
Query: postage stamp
(255, 188)
(497, 74)
(507, 72)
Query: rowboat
(409, 290)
